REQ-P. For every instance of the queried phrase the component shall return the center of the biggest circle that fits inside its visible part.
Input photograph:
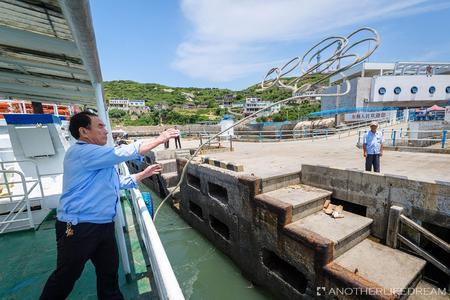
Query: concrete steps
(168, 162)
(382, 266)
(170, 178)
(182, 153)
(344, 232)
(305, 199)
(168, 165)
(388, 268)
(164, 155)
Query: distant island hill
(132, 103)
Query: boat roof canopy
(48, 51)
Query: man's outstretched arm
(131, 181)
(148, 145)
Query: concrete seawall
(262, 235)
(274, 229)
(221, 204)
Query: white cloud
(229, 37)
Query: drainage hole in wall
(355, 208)
(219, 227)
(193, 181)
(218, 192)
(196, 209)
(286, 271)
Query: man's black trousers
(373, 160)
(96, 242)
(177, 142)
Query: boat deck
(29, 257)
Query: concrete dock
(266, 213)
(270, 159)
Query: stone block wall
(422, 200)
(254, 230)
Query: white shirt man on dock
(373, 147)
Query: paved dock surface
(274, 158)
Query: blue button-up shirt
(373, 142)
(91, 183)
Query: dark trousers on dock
(96, 242)
(373, 160)
(177, 142)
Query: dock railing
(396, 220)
(218, 142)
(166, 282)
(401, 137)
(308, 133)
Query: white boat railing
(21, 204)
(4, 165)
(166, 282)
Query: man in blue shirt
(373, 147)
(85, 228)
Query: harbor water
(202, 270)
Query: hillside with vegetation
(182, 105)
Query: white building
(309, 97)
(402, 84)
(225, 101)
(118, 104)
(126, 104)
(136, 103)
(253, 104)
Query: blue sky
(233, 43)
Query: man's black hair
(82, 119)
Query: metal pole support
(444, 137)
(393, 226)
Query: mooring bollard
(394, 133)
(393, 226)
(444, 137)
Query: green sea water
(202, 270)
